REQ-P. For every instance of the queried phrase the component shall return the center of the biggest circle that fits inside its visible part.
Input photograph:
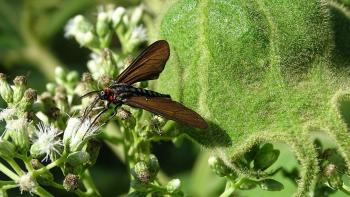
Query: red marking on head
(108, 90)
(110, 98)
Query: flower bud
(334, 178)
(117, 15)
(51, 87)
(7, 149)
(142, 172)
(71, 182)
(18, 131)
(124, 114)
(138, 35)
(136, 15)
(153, 164)
(102, 24)
(77, 133)
(27, 183)
(73, 77)
(173, 185)
(36, 164)
(87, 78)
(108, 64)
(60, 75)
(28, 99)
(6, 91)
(78, 158)
(218, 166)
(105, 80)
(93, 149)
(19, 87)
(61, 99)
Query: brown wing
(169, 109)
(148, 65)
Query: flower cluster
(119, 21)
(57, 128)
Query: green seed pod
(19, 87)
(71, 182)
(6, 91)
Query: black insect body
(147, 66)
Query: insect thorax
(129, 90)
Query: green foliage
(259, 71)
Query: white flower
(136, 15)
(27, 183)
(80, 29)
(72, 26)
(16, 124)
(7, 113)
(139, 34)
(77, 133)
(46, 141)
(117, 15)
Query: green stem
(231, 187)
(8, 172)
(9, 186)
(15, 166)
(228, 190)
(345, 189)
(42, 192)
(51, 165)
(91, 189)
(6, 183)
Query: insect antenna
(90, 93)
(95, 119)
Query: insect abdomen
(145, 92)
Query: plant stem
(15, 166)
(8, 172)
(42, 192)
(345, 189)
(51, 165)
(89, 184)
(231, 187)
(9, 186)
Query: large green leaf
(257, 71)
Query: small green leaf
(248, 184)
(265, 157)
(250, 155)
(271, 185)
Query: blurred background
(32, 43)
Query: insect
(147, 66)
